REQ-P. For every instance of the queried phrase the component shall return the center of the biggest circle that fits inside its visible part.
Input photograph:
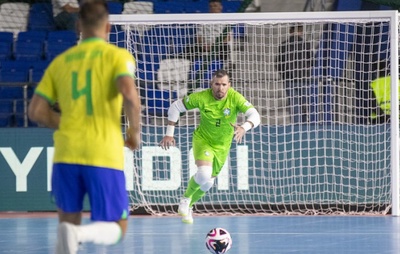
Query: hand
(239, 132)
(166, 142)
(132, 140)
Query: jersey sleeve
(46, 87)
(192, 101)
(125, 64)
(242, 104)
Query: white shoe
(188, 219)
(183, 209)
(67, 239)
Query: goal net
(323, 147)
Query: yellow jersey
(83, 82)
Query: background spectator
(65, 14)
(210, 41)
(381, 94)
(294, 65)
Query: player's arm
(174, 112)
(70, 8)
(41, 112)
(127, 87)
(252, 121)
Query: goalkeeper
(219, 107)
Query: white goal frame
(391, 16)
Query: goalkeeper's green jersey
(216, 116)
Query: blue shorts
(105, 187)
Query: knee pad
(203, 175)
(206, 186)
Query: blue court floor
(250, 234)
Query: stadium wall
(26, 154)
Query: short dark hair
(93, 12)
(212, 1)
(221, 73)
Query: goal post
(394, 125)
(319, 148)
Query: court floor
(251, 234)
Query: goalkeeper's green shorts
(203, 151)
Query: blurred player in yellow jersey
(90, 82)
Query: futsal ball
(218, 241)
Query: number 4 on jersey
(85, 91)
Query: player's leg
(202, 177)
(203, 155)
(74, 218)
(220, 156)
(109, 210)
(68, 191)
(205, 185)
(109, 206)
(202, 180)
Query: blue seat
(15, 71)
(239, 31)
(203, 71)
(183, 37)
(385, 8)
(147, 70)
(156, 45)
(213, 67)
(136, 47)
(117, 36)
(6, 45)
(158, 101)
(194, 7)
(198, 70)
(231, 6)
(167, 7)
(32, 36)
(115, 7)
(52, 50)
(58, 42)
(21, 113)
(11, 92)
(6, 36)
(38, 70)
(6, 112)
(346, 5)
(29, 45)
(63, 35)
(332, 53)
(28, 51)
(41, 17)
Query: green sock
(197, 196)
(191, 189)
